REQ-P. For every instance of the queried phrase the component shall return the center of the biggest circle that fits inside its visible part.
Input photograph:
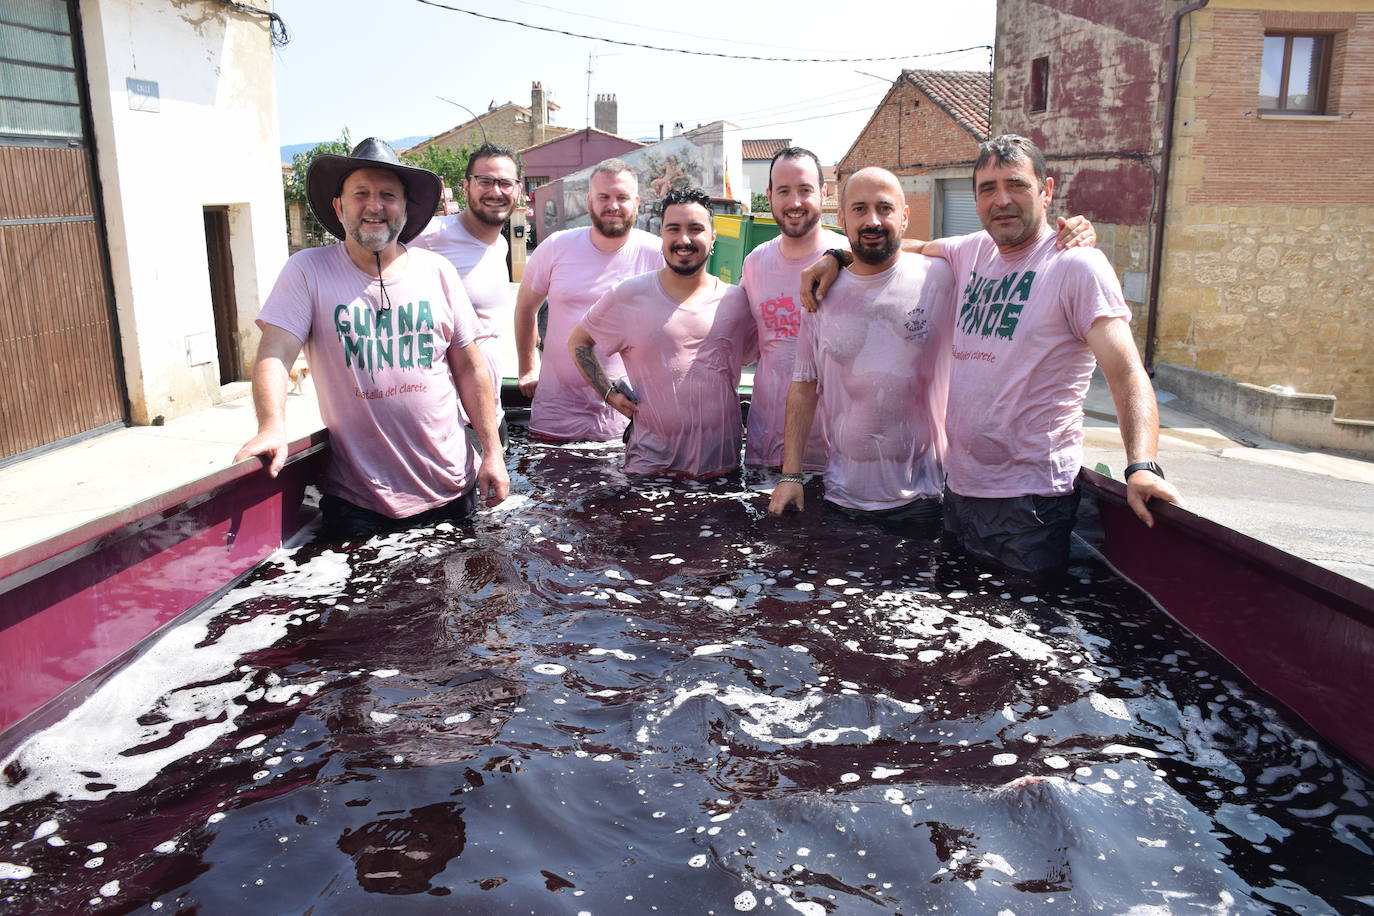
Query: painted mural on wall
(697, 160)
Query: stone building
(509, 125)
(926, 131)
(1246, 159)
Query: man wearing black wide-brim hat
(389, 335)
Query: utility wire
(649, 28)
(636, 44)
(280, 36)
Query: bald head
(873, 214)
(867, 178)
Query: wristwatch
(842, 257)
(1143, 466)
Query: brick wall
(908, 135)
(1103, 100)
(1270, 223)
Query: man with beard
(389, 335)
(472, 242)
(573, 269)
(876, 361)
(772, 278)
(685, 337)
(1029, 325)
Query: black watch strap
(1143, 466)
(842, 257)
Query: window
(1040, 84)
(38, 89)
(1294, 73)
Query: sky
(380, 67)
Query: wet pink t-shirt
(684, 363)
(773, 283)
(486, 279)
(382, 377)
(574, 274)
(879, 354)
(1022, 363)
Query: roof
(965, 94)
(472, 122)
(763, 149)
(581, 130)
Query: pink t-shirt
(383, 379)
(879, 354)
(1022, 363)
(773, 283)
(486, 280)
(574, 274)
(684, 363)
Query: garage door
(957, 216)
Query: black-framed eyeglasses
(487, 182)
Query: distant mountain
(288, 152)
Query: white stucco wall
(213, 141)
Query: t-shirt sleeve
(1091, 291)
(748, 328)
(539, 268)
(804, 366)
(605, 322)
(428, 235)
(291, 304)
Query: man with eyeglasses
(472, 242)
(389, 335)
(573, 269)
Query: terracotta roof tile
(763, 149)
(964, 94)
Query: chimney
(677, 129)
(606, 116)
(539, 113)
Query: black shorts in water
(346, 521)
(1026, 534)
(918, 518)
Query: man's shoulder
(645, 240)
(763, 251)
(923, 269)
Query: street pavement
(1315, 504)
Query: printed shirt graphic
(684, 363)
(383, 379)
(575, 274)
(486, 280)
(773, 283)
(1022, 364)
(878, 350)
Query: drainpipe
(1166, 156)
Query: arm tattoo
(590, 364)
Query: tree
(293, 184)
(759, 204)
(449, 165)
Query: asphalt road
(1316, 505)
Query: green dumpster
(736, 236)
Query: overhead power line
(635, 44)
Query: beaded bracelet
(791, 478)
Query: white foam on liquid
(94, 736)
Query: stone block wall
(1270, 234)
